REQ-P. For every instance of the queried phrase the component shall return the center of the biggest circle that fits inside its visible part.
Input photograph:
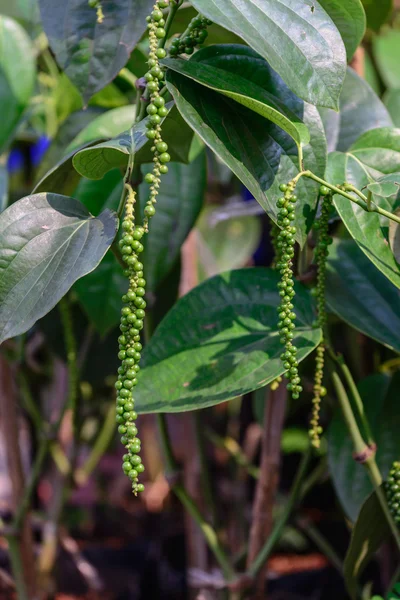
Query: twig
(20, 542)
(262, 517)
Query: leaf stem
(362, 450)
(362, 202)
(355, 394)
(208, 531)
(276, 533)
(205, 471)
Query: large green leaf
(26, 12)
(178, 206)
(380, 396)
(96, 161)
(259, 153)
(89, 52)
(365, 227)
(377, 12)
(370, 531)
(391, 99)
(220, 341)
(361, 295)
(386, 49)
(349, 18)
(360, 110)
(227, 244)
(17, 76)
(56, 172)
(229, 78)
(47, 242)
(106, 125)
(298, 39)
(100, 294)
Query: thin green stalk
(359, 445)
(395, 579)
(129, 77)
(205, 471)
(17, 567)
(100, 446)
(23, 506)
(362, 202)
(362, 450)
(208, 531)
(277, 531)
(321, 542)
(357, 400)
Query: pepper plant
(135, 95)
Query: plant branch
(205, 471)
(362, 201)
(364, 454)
(277, 531)
(264, 499)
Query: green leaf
(107, 125)
(360, 110)
(47, 242)
(391, 99)
(365, 227)
(100, 294)
(96, 161)
(361, 295)
(91, 53)
(349, 18)
(380, 396)
(386, 49)
(216, 34)
(17, 76)
(394, 238)
(68, 99)
(178, 206)
(223, 69)
(56, 172)
(370, 531)
(377, 12)
(227, 244)
(258, 152)
(386, 186)
(371, 74)
(220, 341)
(298, 39)
(25, 12)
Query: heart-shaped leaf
(235, 85)
(227, 244)
(260, 154)
(377, 12)
(360, 110)
(107, 283)
(220, 341)
(349, 18)
(96, 161)
(386, 186)
(391, 99)
(365, 227)
(386, 49)
(17, 76)
(370, 531)
(394, 237)
(298, 39)
(47, 242)
(380, 396)
(361, 295)
(91, 52)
